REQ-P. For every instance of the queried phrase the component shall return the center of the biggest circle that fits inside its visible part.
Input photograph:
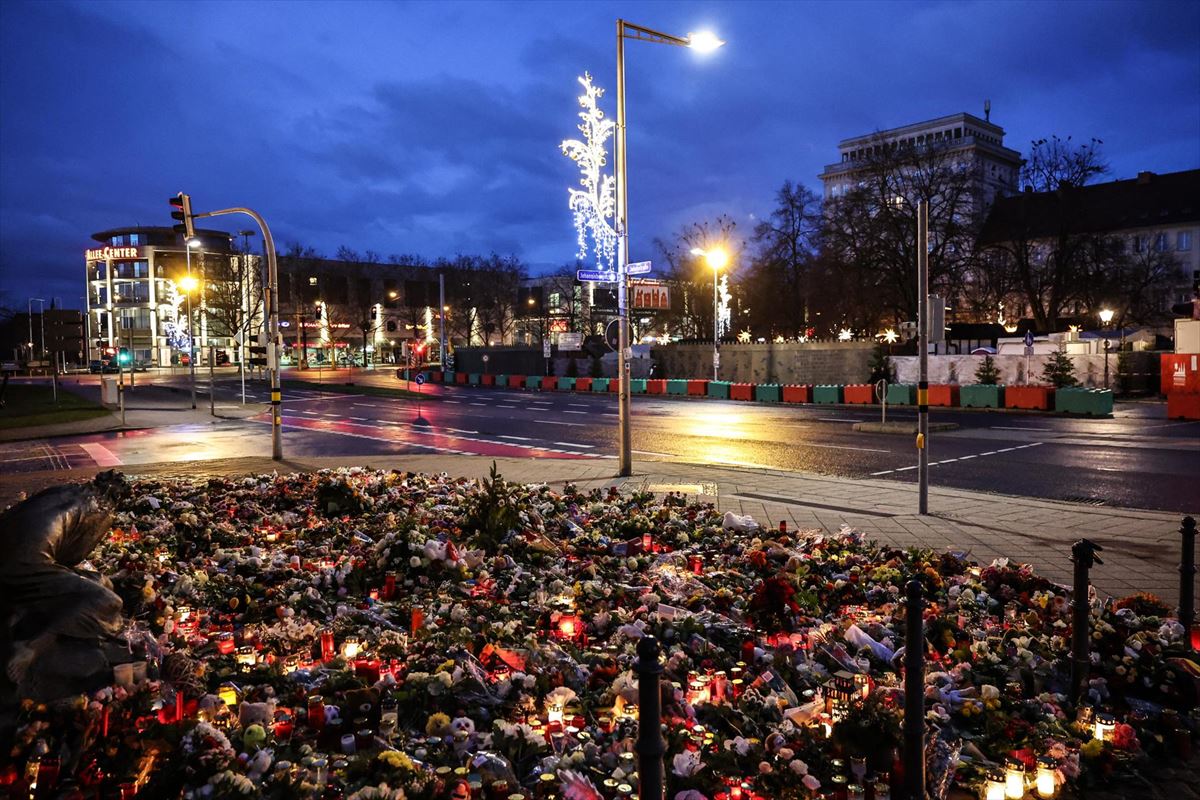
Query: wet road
(1137, 459)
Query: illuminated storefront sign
(107, 253)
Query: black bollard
(650, 746)
(1083, 553)
(914, 693)
(1187, 578)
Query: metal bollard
(1187, 579)
(914, 693)
(1083, 553)
(650, 746)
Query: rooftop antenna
(987, 110)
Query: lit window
(1183, 240)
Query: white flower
(799, 767)
(686, 764)
(811, 783)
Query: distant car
(105, 366)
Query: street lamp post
(716, 258)
(188, 284)
(1106, 317)
(29, 306)
(702, 42)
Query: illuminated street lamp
(1106, 317)
(702, 43)
(716, 258)
(188, 284)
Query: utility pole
(923, 357)
(442, 317)
(624, 437)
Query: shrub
(987, 372)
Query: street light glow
(1106, 315)
(188, 283)
(716, 258)
(704, 41)
(194, 243)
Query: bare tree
(691, 279)
(872, 229)
(780, 284)
(1038, 251)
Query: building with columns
(977, 142)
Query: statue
(55, 620)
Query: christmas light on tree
(594, 204)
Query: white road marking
(652, 453)
(101, 455)
(573, 444)
(358, 419)
(835, 419)
(505, 406)
(575, 412)
(517, 438)
(960, 458)
(1017, 428)
(560, 422)
(580, 405)
(479, 404)
(454, 402)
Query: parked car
(104, 366)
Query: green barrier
(768, 393)
(677, 386)
(718, 389)
(501, 381)
(533, 382)
(981, 395)
(473, 378)
(1080, 400)
(827, 394)
(637, 385)
(901, 394)
(600, 384)
(448, 378)
(566, 384)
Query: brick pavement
(1141, 547)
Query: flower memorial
(364, 634)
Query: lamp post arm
(631, 31)
(273, 322)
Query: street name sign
(601, 275)
(638, 268)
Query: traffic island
(905, 427)
(272, 607)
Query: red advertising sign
(650, 295)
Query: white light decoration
(724, 317)
(744, 337)
(889, 336)
(845, 335)
(595, 204)
(428, 324)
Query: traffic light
(182, 203)
(319, 308)
(124, 357)
(258, 355)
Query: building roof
(103, 236)
(919, 127)
(1149, 200)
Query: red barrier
(797, 394)
(944, 394)
(1183, 406)
(1179, 374)
(550, 383)
(741, 391)
(1040, 398)
(583, 384)
(435, 376)
(461, 378)
(516, 381)
(859, 393)
(697, 388)
(656, 386)
(487, 380)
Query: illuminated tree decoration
(594, 204)
(724, 315)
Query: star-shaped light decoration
(845, 335)
(889, 336)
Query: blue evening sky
(433, 128)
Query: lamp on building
(716, 258)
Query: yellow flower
(1092, 748)
(397, 760)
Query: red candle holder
(327, 650)
(316, 711)
(695, 564)
(389, 586)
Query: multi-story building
(1146, 216)
(977, 142)
(135, 299)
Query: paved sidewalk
(147, 405)
(1141, 548)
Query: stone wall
(770, 362)
(1089, 369)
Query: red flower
(1125, 737)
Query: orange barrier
(487, 380)
(697, 388)
(859, 393)
(549, 383)
(741, 391)
(797, 394)
(516, 381)
(583, 384)
(1040, 398)
(943, 394)
(461, 378)
(1183, 406)
(656, 386)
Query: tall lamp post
(189, 283)
(1106, 317)
(716, 258)
(701, 42)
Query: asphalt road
(1136, 459)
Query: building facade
(978, 143)
(135, 295)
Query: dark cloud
(433, 128)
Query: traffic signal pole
(272, 323)
(923, 334)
